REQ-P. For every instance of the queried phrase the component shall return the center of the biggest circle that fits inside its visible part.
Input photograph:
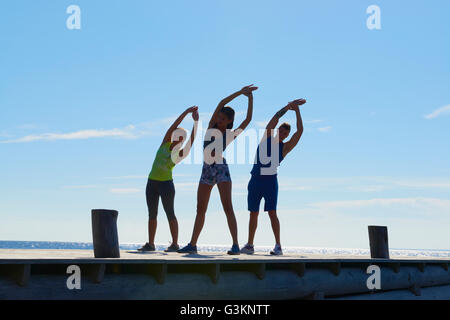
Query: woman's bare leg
(225, 197)
(173, 225)
(203, 195)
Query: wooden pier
(43, 274)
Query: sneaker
(234, 250)
(172, 248)
(188, 249)
(147, 247)
(277, 251)
(248, 249)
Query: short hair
(286, 126)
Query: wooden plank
(83, 257)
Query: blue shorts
(262, 187)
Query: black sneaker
(172, 248)
(147, 247)
(188, 249)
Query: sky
(83, 111)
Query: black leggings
(166, 190)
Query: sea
(45, 245)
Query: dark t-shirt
(258, 165)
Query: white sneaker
(248, 249)
(277, 251)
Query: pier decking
(42, 274)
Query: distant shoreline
(46, 245)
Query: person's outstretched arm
(274, 121)
(224, 102)
(187, 148)
(248, 92)
(288, 146)
(177, 122)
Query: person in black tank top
(215, 170)
(264, 183)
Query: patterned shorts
(215, 173)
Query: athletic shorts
(164, 189)
(260, 187)
(215, 173)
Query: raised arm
(187, 148)
(288, 146)
(274, 121)
(225, 101)
(248, 92)
(177, 122)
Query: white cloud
(423, 185)
(313, 121)
(325, 129)
(362, 184)
(125, 190)
(292, 186)
(28, 126)
(438, 112)
(77, 135)
(411, 202)
(130, 177)
(132, 131)
(81, 187)
(369, 188)
(261, 124)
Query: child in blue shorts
(264, 183)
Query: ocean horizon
(62, 245)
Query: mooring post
(104, 233)
(378, 238)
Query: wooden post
(96, 272)
(104, 233)
(260, 270)
(214, 272)
(299, 268)
(335, 268)
(396, 267)
(159, 271)
(22, 274)
(378, 238)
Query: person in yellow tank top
(160, 182)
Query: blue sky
(82, 113)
